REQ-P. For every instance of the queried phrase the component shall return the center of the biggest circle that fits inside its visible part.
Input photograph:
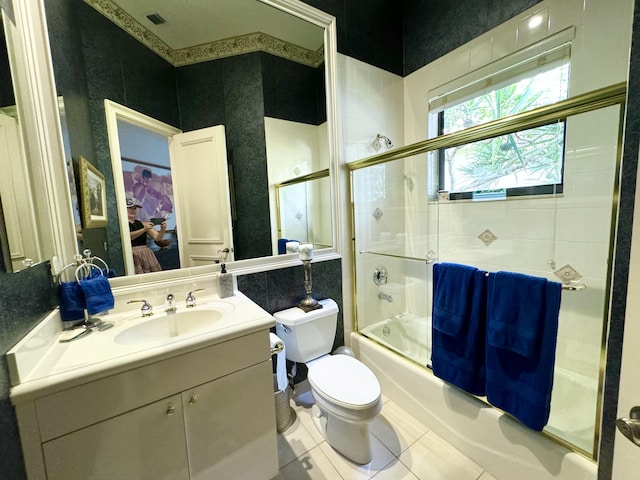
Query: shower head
(377, 142)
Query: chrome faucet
(146, 309)
(170, 305)
(384, 296)
(190, 301)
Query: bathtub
(406, 334)
(492, 439)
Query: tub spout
(384, 296)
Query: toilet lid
(344, 380)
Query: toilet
(346, 393)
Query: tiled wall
(369, 102)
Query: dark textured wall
(293, 91)
(401, 37)
(432, 29)
(368, 30)
(25, 299)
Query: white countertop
(39, 364)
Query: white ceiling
(196, 22)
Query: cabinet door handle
(193, 400)
(171, 409)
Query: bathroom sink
(167, 326)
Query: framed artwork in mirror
(93, 195)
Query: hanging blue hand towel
(97, 293)
(72, 301)
(458, 333)
(522, 326)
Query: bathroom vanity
(197, 404)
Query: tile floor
(403, 449)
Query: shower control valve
(380, 275)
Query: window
(527, 162)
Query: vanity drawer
(84, 405)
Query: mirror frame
(28, 43)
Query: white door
(201, 193)
(15, 193)
(626, 459)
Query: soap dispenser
(225, 283)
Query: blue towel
(72, 301)
(458, 348)
(97, 293)
(282, 246)
(515, 311)
(452, 296)
(518, 384)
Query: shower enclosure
(403, 224)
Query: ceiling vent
(156, 19)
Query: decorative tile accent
(431, 256)
(568, 274)
(377, 214)
(227, 47)
(297, 171)
(487, 237)
(299, 215)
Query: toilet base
(351, 439)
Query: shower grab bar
(404, 257)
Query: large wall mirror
(34, 198)
(251, 66)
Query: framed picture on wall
(93, 195)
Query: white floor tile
(431, 458)
(396, 429)
(312, 465)
(352, 471)
(395, 470)
(293, 442)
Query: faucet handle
(170, 305)
(191, 299)
(146, 309)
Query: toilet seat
(344, 381)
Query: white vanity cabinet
(146, 443)
(205, 414)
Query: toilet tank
(310, 335)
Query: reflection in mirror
(236, 82)
(18, 228)
(304, 210)
(172, 190)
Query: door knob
(630, 427)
